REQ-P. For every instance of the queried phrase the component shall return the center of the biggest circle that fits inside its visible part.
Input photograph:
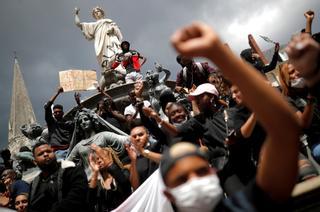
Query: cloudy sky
(43, 34)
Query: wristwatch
(146, 152)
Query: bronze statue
(156, 85)
(87, 128)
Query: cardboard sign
(78, 80)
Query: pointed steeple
(21, 110)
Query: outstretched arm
(167, 73)
(53, 98)
(48, 113)
(309, 15)
(76, 17)
(164, 124)
(274, 60)
(277, 117)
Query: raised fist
(76, 10)
(277, 47)
(309, 15)
(60, 89)
(196, 40)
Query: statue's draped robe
(107, 37)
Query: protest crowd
(224, 138)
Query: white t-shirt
(131, 110)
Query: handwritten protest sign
(78, 80)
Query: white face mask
(298, 83)
(198, 194)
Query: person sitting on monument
(107, 110)
(131, 60)
(192, 74)
(88, 132)
(60, 130)
(131, 112)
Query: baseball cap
(204, 88)
(177, 152)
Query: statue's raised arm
(76, 17)
(159, 69)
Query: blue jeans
(61, 154)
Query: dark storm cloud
(47, 41)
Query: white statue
(106, 34)
(107, 39)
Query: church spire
(21, 110)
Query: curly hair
(93, 118)
(97, 8)
(177, 104)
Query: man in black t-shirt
(144, 153)
(61, 186)
(209, 125)
(60, 130)
(192, 73)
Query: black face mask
(51, 167)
